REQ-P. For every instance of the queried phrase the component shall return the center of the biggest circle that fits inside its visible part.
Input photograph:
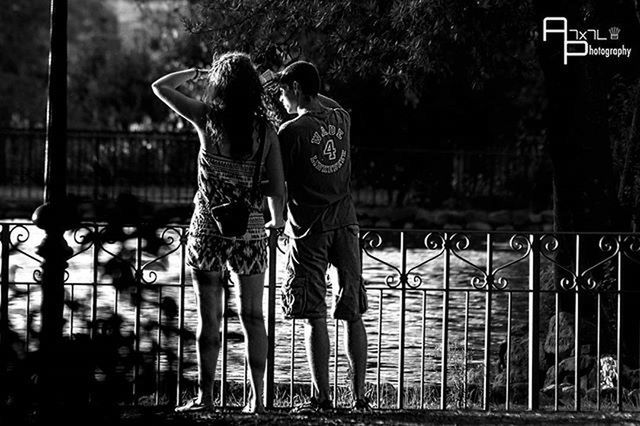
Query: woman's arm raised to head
(165, 89)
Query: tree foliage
(23, 62)
(469, 67)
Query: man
(323, 228)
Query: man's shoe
(313, 406)
(193, 405)
(361, 406)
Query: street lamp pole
(53, 216)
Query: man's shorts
(304, 291)
(211, 253)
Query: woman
(231, 124)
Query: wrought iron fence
(160, 167)
(455, 320)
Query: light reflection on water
(429, 294)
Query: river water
(423, 309)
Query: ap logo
(564, 30)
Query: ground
(165, 416)
(158, 417)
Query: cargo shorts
(305, 287)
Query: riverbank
(411, 217)
(449, 219)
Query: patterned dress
(223, 179)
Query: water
(423, 308)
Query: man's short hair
(305, 73)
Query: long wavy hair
(235, 98)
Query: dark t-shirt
(317, 165)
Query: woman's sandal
(193, 405)
(249, 409)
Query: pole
(53, 217)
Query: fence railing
(161, 167)
(456, 320)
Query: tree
(23, 63)
(580, 142)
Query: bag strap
(258, 166)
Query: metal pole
(445, 327)
(487, 327)
(52, 215)
(576, 359)
(269, 391)
(401, 331)
(534, 326)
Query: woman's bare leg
(250, 290)
(208, 289)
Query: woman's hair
(235, 97)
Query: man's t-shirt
(317, 165)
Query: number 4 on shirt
(330, 150)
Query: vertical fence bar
(445, 326)
(269, 391)
(116, 296)
(28, 312)
(487, 326)
(225, 344)
(72, 294)
(598, 355)
(619, 327)
(465, 367)
(379, 354)
(556, 357)
(4, 284)
(159, 339)
(507, 381)
(94, 283)
(245, 378)
(576, 360)
(423, 348)
(335, 361)
(534, 324)
(401, 331)
(183, 274)
(137, 306)
(293, 361)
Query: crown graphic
(615, 32)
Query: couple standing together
(312, 152)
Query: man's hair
(305, 73)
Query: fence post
(487, 325)
(401, 331)
(444, 353)
(54, 216)
(269, 391)
(534, 325)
